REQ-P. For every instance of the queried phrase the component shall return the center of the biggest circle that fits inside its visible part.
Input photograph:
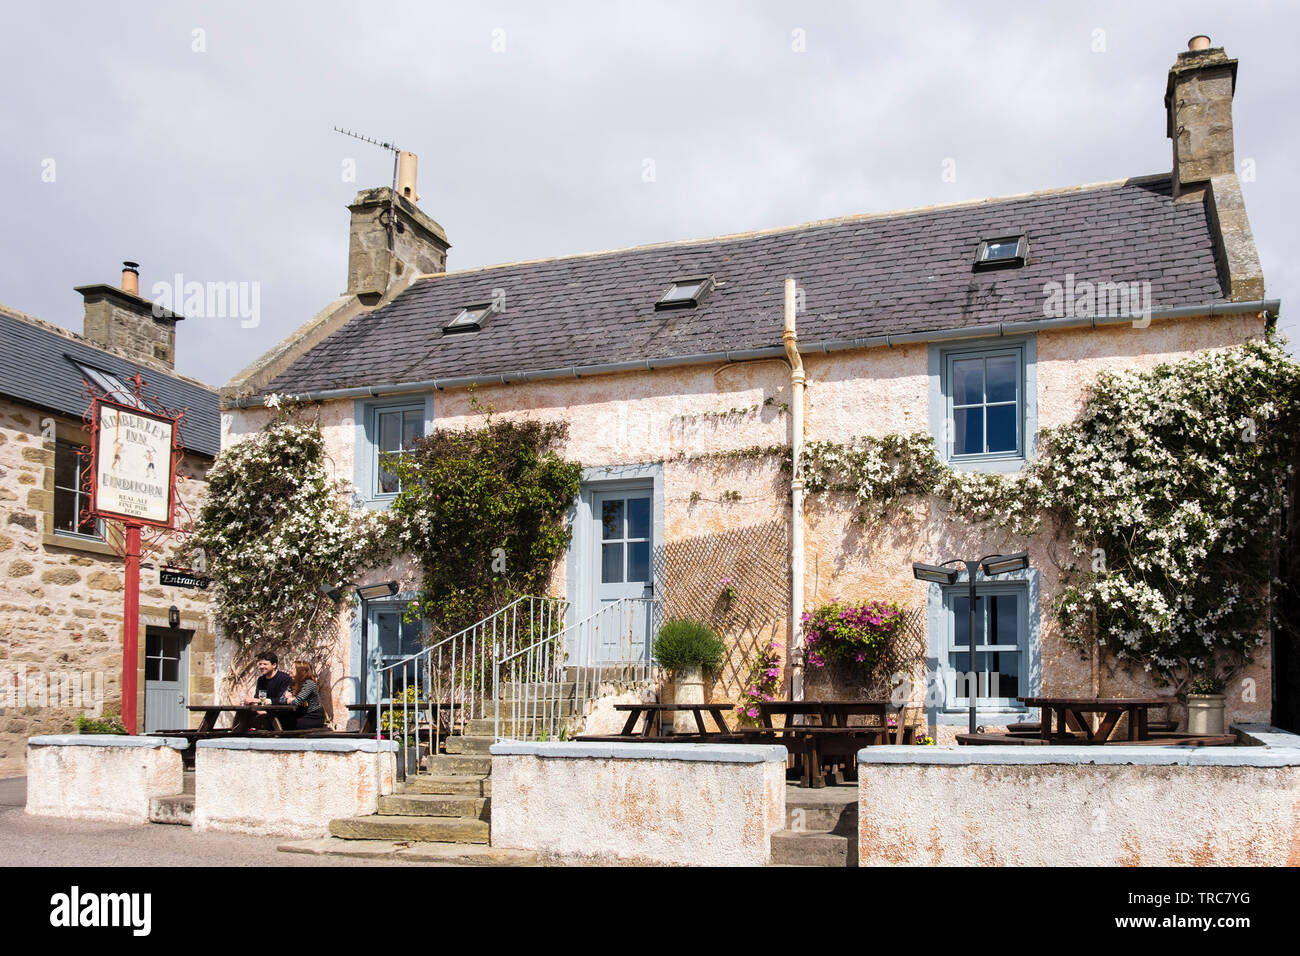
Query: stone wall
(61, 597)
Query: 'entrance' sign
(173, 577)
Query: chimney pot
(131, 277)
(406, 170)
(1198, 43)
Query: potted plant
(1205, 705)
(852, 635)
(687, 649)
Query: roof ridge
(812, 224)
(43, 325)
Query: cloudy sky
(196, 138)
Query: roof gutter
(1269, 307)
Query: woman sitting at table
(306, 695)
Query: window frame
(993, 588)
(83, 460)
(366, 449)
(943, 423)
(948, 709)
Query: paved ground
(49, 841)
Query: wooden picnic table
(1072, 715)
(654, 715)
(243, 715)
(829, 713)
(823, 733)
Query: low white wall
(675, 804)
(105, 777)
(1081, 806)
(289, 787)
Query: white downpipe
(791, 341)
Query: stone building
(668, 365)
(61, 579)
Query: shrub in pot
(1205, 704)
(687, 650)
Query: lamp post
(990, 564)
(365, 592)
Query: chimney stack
(1198, 104)
(385, 254)
(119, 320)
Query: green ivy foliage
(484, 511)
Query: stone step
(178, 809)
(833, 808)
(530, 708)
(814, 848)
(449, 764)
(401, 828)
(487, 726)
(467, 744)
(547, 690)
(435, 805)
(448, 854)
(450, 784)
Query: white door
(622, 542)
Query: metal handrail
(464, 657)
(609, 645)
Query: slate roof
(863, 276)
(35, 370)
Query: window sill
(74, 543)
(988, 466)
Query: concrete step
(487, 727)
(833, 808)
(814, 848)
(435, 805)
(467, 744)
(548, 690)
(447, 854)
(530, 708)
(178, 809)
(461, 784)
(454, 764)
(401, 828)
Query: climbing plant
(275, 528)
(1168, 488)
(483, 510)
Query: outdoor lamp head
(1002, 563)
(174, 616)
(371, 591)
(934, 573)
(335, 594)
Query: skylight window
(685, 293)
(112, 387)
(470, 318)
(1001, 252)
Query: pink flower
(752, 712)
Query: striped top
(308, 697)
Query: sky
(197, 138)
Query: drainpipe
(791, 341)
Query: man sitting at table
(272, 683)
